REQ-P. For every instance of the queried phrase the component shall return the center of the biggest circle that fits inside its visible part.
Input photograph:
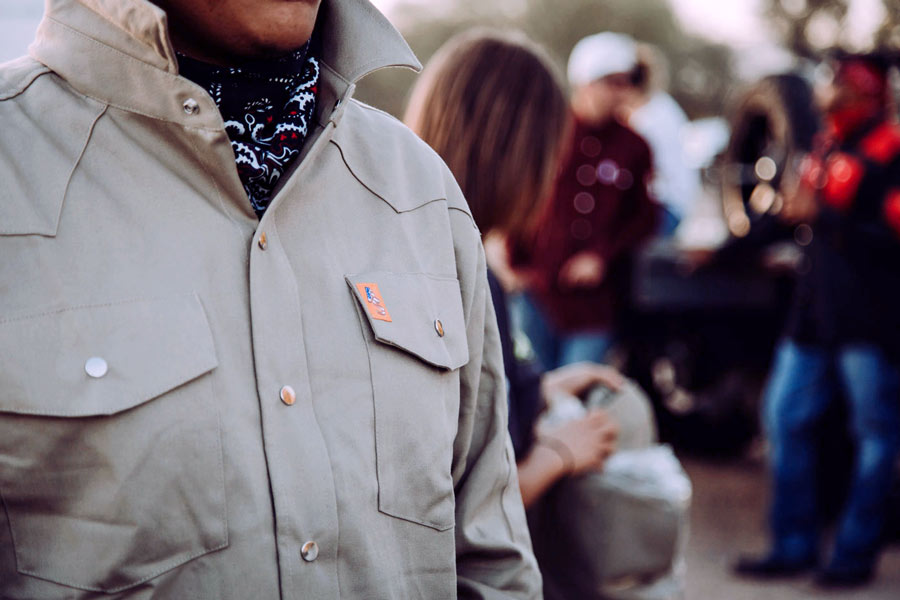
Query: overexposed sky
(733, 22)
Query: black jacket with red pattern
(849, 287)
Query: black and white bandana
(267, 108)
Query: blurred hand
(799, 201)
(585, 269)
(496, 251)
(579, 377)
(584, 444)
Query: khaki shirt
(198, 404)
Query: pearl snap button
(191, 107)
(309, 551)
(287, 395)
(96, 367)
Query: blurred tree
(701, 72)
(889, 33)
(807, 27)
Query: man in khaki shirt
(204, 398)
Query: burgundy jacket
(600, 204)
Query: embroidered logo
(374, 301)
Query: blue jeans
(554, 348)
(668, 222)
(798, 393)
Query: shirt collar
(119, 52)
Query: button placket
(291, 430)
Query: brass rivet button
(439, 327)
(263, 242)
(309, 551)
(287, 395)
(191, 107)
(96, 367)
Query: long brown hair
(492, 106)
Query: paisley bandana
(267, 108)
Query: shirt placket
(300, 474)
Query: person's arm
(882, 233)
(891, 210)
(493, 547)
(572, 448)
(576, 378)
(544, 466)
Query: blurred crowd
(569, 178)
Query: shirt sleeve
(494, 558)
(877, 228)
(890, 204)
(891, 210)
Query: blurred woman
(493, 107)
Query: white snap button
(191, 107)
(96, 367)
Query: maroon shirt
(600, 204)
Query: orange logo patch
(374, 302)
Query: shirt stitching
(4, 321)
(174, 78)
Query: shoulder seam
(465, 212)
(24, 81)
(374, 109)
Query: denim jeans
(554, 348)
(668, 222)
(800, 388)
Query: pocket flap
(145, 348)
(415, 312)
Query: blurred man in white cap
(600, 211)
(600, 68)
(656, 116)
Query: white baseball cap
(599, 55)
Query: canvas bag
(619, 533)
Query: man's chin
(246, 49)
(234, 31)
(271, 50)
(274, 41)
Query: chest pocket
(416, 338)
(110, 453)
